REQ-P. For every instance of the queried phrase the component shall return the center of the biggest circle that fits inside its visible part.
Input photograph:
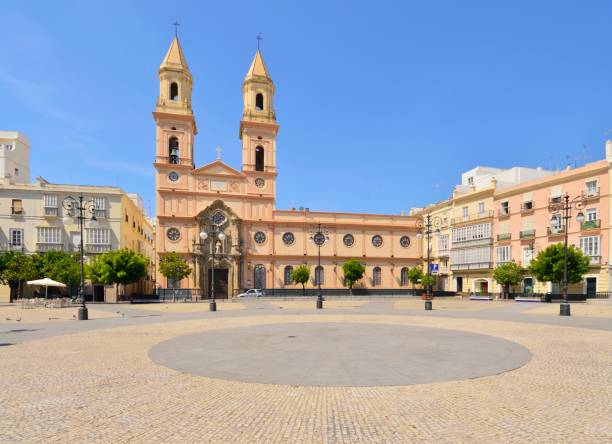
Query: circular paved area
(340, 354)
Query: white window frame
(504, 254)
(12, 232)
(481, 208)
(99, 206)
(590, 189)
(591, 214)
(50, 204)
(591, 245)
(49, 235)
(98, 236)
(465, 212)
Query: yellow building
(439, 244)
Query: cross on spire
(218, 150)
(176, 24)
(259, 39)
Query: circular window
(288, 238)
(173, 176)
(348, 240)
(405, 241)
(377, 240)
(218, 218)
(173, 234)
(260, 237)
(259, 182)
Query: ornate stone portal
(227, 253)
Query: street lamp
(83, 210)
(319, 237)
(566, 205)
(214, 232)
(427, 228)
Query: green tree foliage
(508, 274)
(300, 275)
(59, 266)
(415, 275)
(353, 271)
(173, 267)
(548, 266)
(118, 267)
(428, 280)
(15, 269)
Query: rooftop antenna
(176, 24)
(259, 39)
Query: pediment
(217, 168)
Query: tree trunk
(303, 289)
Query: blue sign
(433, 268)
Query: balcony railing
(590, 224)
(503, 212)
(97, 248)
(527, 207)
(527, 234)
(591, 194)
(51, 211)
(44, 246)
(504, 236)
(472, 266)
(471, 217)
(555, 200)
(556, 231)
(595, 260)
(444, 252)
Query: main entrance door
(221, 279)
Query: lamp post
(84, 210)
(565, 205)
(214, 232)
(430, 226)
(319, 237)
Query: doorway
(591, 287)
(459, 284)
(221, 281)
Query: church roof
(175, 55)
(258, 68)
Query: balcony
(97, 248)
(472, 217)
(51, 212)
(591, 193)
(556, 231)
(472, 266)
(444, 252)
(590, 225)
(17, 211)
(527, 207)
(555, 200)
(44, 246)
(503, 212)
(595, 260)
(527, 234)
(504, 236)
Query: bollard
(213, 306)
(564, 309)
(428, 305)
(83, 314)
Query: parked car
(252, 293)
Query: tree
(353, 271)
(508, 274)
(548, 266)
(15, 268)
(415, 275)
(300, 275)
(59, 266)
(428, 279)
(119, 267)
(173, 267)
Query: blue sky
(381, 104)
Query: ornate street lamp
(319, 236)
(214, 232)
(82, 210)
(566, 205)
(430, 226)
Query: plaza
(273, 370)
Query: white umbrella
(46, 282)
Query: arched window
(259, 276)
(259, 103)
(173, 150)
(319, 276)
(259, 158)
(376, 276)
(288, 271)
(404, 276)
(174, 91)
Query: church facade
(261, 244)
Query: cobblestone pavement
(99, 385)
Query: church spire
(175, 81)
(174, 57)
(258, 69)
(258, 93)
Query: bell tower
(258, 129)
(175, 123)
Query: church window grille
(288, 238)
(259, 276)
(404, 277)
(377, 240)
(376, 276)
(348, 240)
(288, 278)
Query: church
(254, 244)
